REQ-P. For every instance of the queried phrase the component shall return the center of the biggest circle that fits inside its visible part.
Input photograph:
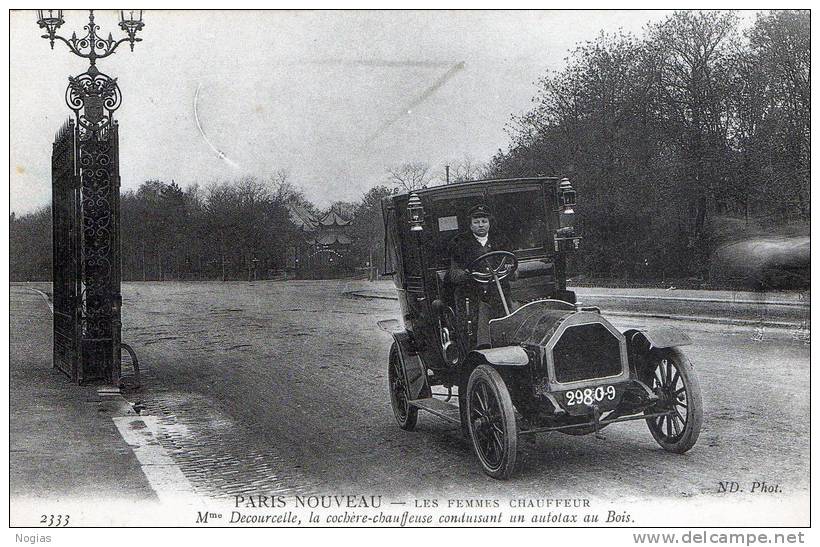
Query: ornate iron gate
(86, 253)
(100, 191)
(66, 215)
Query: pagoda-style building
(323, 252)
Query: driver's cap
(480, 210)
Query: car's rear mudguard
(414, 370)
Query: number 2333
(54, 520)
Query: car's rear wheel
(406, 414)
(672, 377)
(491, 422)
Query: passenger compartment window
(520, 215)
(451, 219)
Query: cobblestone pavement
(62, 441)
(219, 456)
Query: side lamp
(415, 213)
(567, 196)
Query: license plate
(590, 395)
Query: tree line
(231, 230)
(677, 139)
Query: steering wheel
(483, 271)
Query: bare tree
(466, 169)
(409, 176)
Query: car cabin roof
(458, 187)
(435, 242)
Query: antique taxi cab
(550, 364)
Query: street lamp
(90, 46)
(50, 23)
(131, 26)
(93, 96)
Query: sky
(333, 98)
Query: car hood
(536, 322)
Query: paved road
(274, 387)
(781, 309)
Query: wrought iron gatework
(93, 96)
(86, 205)
(66, 255)
(100, 189)
(86, 253)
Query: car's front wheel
(672, 377)
(491, 422)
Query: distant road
(773, 309)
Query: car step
(438, 407)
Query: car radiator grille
(586, 352)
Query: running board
(443, 410)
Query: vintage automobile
(551, 364)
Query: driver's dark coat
(463, 249)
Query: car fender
(507, 356)
(414, 370)
(644, 339)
